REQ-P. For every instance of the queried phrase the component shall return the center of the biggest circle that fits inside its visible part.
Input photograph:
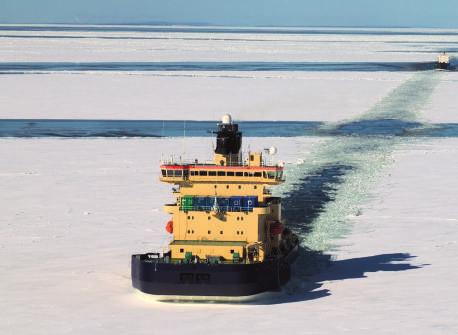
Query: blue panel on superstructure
(249, 202)
(235, 203)
(223, 204)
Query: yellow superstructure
(224, 210)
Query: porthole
(255, 187)
(227, 186)
(232, 251)
(209, 217)
(216, 186)
(192, 231)
(209, 232)
(238, 218)
(189, 217)
(181, 250)
(240, 187)
(241, 233)
(189, 232)
(221, 232)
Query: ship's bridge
(211, 173)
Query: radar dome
(272, 150)
(226, 119)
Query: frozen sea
(366, 126)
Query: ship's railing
(196, 163)
(165, 258)
(219, 208)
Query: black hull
(443, 66)
(202, 279)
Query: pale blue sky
(398, 13)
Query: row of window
(191, 217)
(182, 251)
(226, 173)
(204, 173)
(239, 232)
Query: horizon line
(203, 24)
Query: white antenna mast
(184, 138)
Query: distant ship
(228, 234)
(443, 61)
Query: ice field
(378, 214)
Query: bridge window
(239, 174)
(271, 174)
(164, 173)
(230, 173)
(178, 173)
(221, 173)
(202, 173)
(257, 174)
(212, 173)
(193, 173)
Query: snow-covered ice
(67, 272)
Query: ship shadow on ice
(303, 288)
(308, 199)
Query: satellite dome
(272, 150)
(226, 119)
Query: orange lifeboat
(169, 227)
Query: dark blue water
(203, 29)
(159, 128)
(20, 67)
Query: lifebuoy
(169, 227)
